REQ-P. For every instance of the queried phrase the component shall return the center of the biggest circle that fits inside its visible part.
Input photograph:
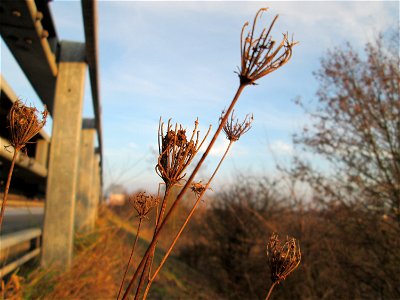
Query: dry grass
(97, 270)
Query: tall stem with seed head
(3, 204)
(130, 257)
(184, 189)
(186, 222)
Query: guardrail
(32, 240)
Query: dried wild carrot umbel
(283, 258)
(176, 151)
(261, 55)
(24, 123)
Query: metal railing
(31, 237)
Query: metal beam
(22, 30)
(89, 11)
(19, 237)
(7, 98)
(22, 160)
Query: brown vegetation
(350, 227)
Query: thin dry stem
(130, 257)
(270, 290)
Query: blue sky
(177, 60)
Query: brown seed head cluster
(261, 55)
(283, 258)
(197, 188)
(233, 128)
(176, 151)
(25, 123)
(143, 203)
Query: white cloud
(280, 148)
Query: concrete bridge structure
(64, 169)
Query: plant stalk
(270, 290)
(185, 223)
(3, 205)
(147, 268)
(185, 187)
(130, 257)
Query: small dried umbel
(198, 188)
(233, 128)
(143, 203)
(283, 258)
(261, 55)
(176, 151)
(25, 122)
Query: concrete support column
(58, 229)
(42, 152)
(84, 206)
(96, 187)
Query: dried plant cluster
(143, 203)
(283, 258)
(234, 129)
(261, 54)
(177, 150)
(25, 122)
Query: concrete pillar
(42, 152)
(84, 206)
(96, 187)
(58, 229)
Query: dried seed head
(282, 259)
(25, 122)
(233, 129)
(143, 203)
(198, 188)
(260, 55)
(176, 151)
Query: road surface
(20, 218)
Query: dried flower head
(176, 151)
(283, 258)
(198, 188)
(233, 128)
(261, 55)
(25, 123)
(143, 203)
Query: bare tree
(356, 128)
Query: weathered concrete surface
(84, 207)
(97, 188)
(58, 231)
(42, 152)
